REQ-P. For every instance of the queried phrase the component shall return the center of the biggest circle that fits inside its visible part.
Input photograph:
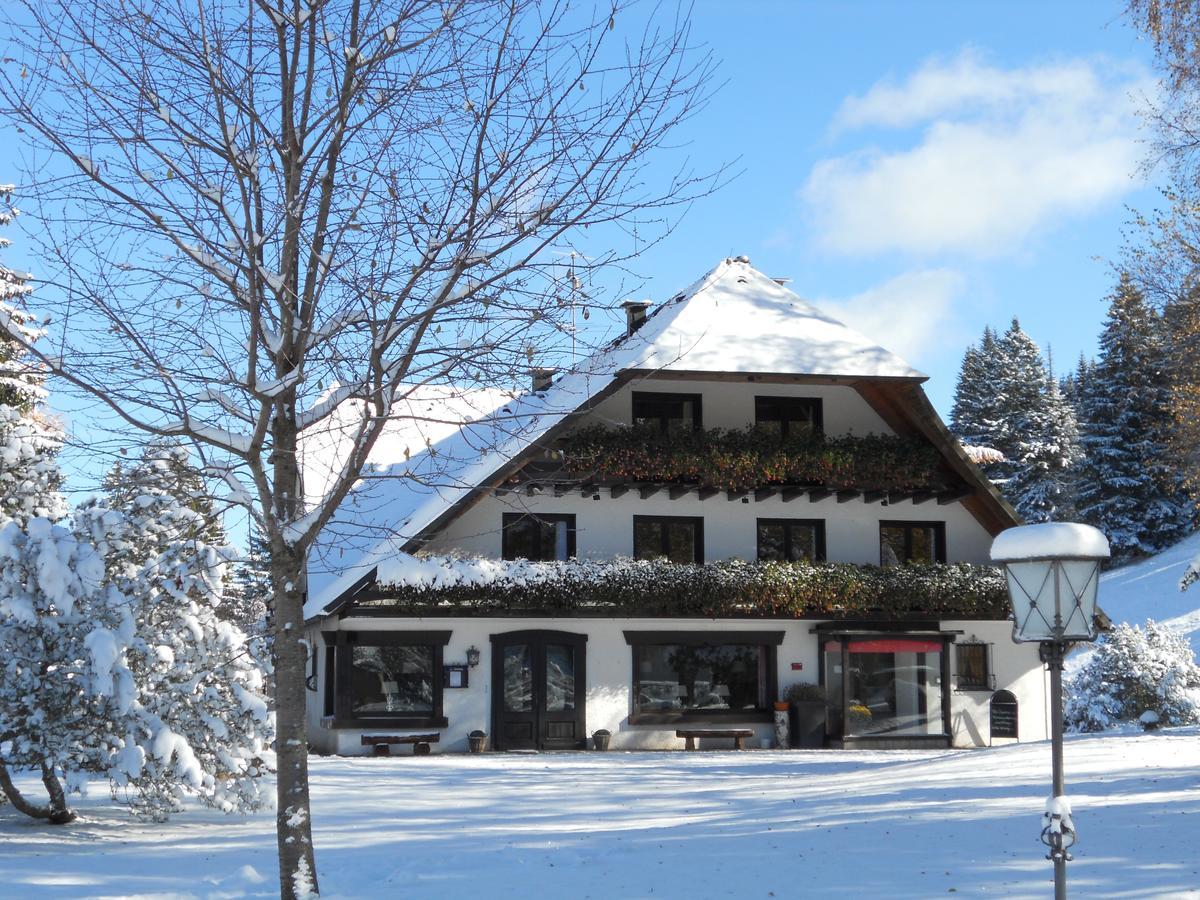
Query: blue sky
(919, 169)
(923, 169)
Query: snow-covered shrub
(1146, 675)
(63, 687)
(201, 722)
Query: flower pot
(600, 739)
(477, 741)
(806, 720)
(781, 705)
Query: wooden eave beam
(787, 495)
(705, 492)
(906, 409)
(735, 495)
(846, 496)
(873, 496)
(646, 491)
(618, 490)
(679, 490)
(817, 494)
(764, 494)
(947, 497)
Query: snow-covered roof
(734, 319)
(1050, 539)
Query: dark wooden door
(539, 688)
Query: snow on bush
(200, 724)
(58, 693)
(1145, 675)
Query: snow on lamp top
(1053, 573)
(1050, 540)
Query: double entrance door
(539, 685)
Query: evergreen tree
(1035, 430)
(62, 705)
(200, 721)
(973, 417)
(1126, 486)
(1181, 318)
(1074, 385)
(29, 438)
(249, 590)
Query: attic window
(668, 412)
(788, 416)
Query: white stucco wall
(605, 525)
(729, 404)
(609, 678)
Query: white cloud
(911, 315)
(1000, 154)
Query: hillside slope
(1149, 589)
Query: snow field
(898, 824)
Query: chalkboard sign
(1004, 715)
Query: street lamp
(1053, 573)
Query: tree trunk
(297, 866)
(56, 812)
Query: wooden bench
(739, 736)
(381, 744)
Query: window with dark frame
(789, 417)
(703, 675)
(667, 412)
(388, 678)
(538, 538)
(678, 539)
(971, 663)
(911, 542)
(791, 540)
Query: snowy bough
(262, 210)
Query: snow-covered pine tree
(44, 576)
(62, 685)
(1035, 430)
(1126, 486)
(29, 438)
(973, 416)
(201, 721)
(1074, 385)
(249, 590)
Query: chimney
(635, 314)
(542, 379)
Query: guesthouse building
(737, 496)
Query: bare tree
(257, 210)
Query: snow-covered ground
(1150, 590)
(652, 825)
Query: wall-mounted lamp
(472, 656)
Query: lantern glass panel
(1031, 585)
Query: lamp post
(1053, 573)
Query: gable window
(971, 663)
(389, 678)
(667, 412)
(538, 538)
(697, 675)
(790, 540)
(911, 542)
(788, 417)
(678, 539)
